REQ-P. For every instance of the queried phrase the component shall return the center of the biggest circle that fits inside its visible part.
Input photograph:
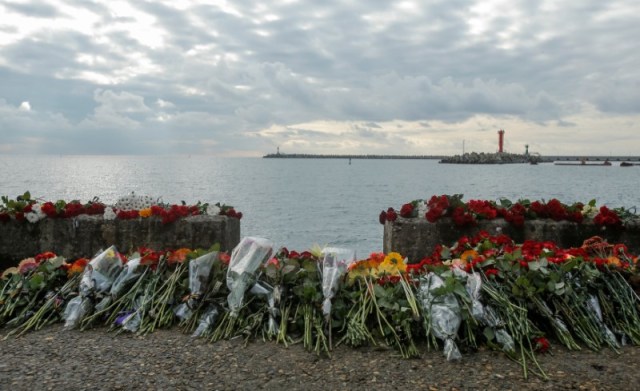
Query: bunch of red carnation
(514, 215)
(407, 210)
(437, 207)
(483, 209)
(388, 215)
(175, 212)
(231, 212)
(462, 218)
(127, 214)
(607, 218)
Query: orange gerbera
(180, 255)
(360, 270)
(468, 256)
(614, 261)
(77, 267)
(145, 212)
(376, 259)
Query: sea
(299, 203)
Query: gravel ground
(54, 359)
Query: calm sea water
(300, 202)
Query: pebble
(169, 360)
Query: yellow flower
(360, 269)
(393, 264)
(145, 212)
(9, 271)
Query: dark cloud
(230, 71)
(33, 9)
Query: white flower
(32, 217)
(134, 202)
(37, 209)
(422, 208)
(109, 214)
(213, 210)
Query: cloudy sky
(240, 78)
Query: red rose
(156, 210)
(49, 209)
(406, 210)
(391, 215)
(383, 217)
(491, 272)
(541, 344)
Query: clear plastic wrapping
(207, 321)
(443, 312)
(486, 315)
(335, 264)
(593, 305)
(101, 272)
(199, 271)
(262, 288)
(130, 272)
(97, 278)
(246, 258)
(75, 310)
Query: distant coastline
(323, 156)
(467, 158)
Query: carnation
(32, 217)
(213, 210)
(109, 214)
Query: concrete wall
(416, 238)
(84, 235)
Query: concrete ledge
(416, 238)
(84, 235)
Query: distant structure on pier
(500, 140)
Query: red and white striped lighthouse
(500, 140)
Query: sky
(244, 78)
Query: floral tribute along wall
(419, 226)
(73, 229)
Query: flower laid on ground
(517, 298)
(465, 214)
(126, 208)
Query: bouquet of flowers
(96, 280)
(242, 273)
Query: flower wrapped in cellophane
(97, 278)
(199, 281)
(486, 315)
(246, 258)
(442, 311)
(335, 263)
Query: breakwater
(467, 158)
(323, 156)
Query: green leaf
(271, 271)
(460, 291)
(289, 268)
(36, 281)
